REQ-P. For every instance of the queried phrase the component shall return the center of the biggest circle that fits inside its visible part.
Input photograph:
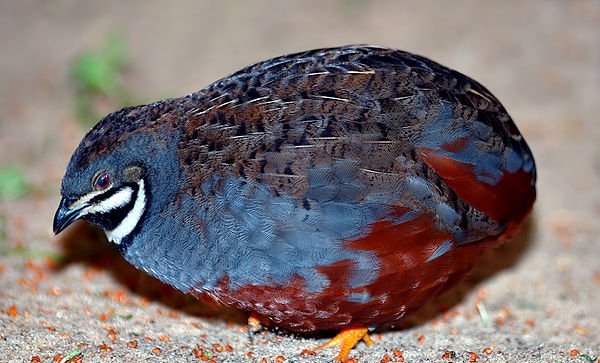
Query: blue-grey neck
(153, 248)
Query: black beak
(65, 215)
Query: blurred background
(64, 64)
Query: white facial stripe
(129, 223)
(117, 200)
(86, 198)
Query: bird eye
(102, 181)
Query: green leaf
(12, 183)
(98, 78)
(71, 355)
(92, 73)
(116, 51)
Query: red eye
(102, 181)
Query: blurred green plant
(3, 232)
(13, 183)
(98, 78)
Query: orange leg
(254, 325)
(346, 340)
(254, 322)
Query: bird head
(113, 198)
(107, 180)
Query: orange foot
(254, 325)
(346, 340)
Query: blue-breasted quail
(331, 189)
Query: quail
(333, 189)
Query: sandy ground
(75, 295)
